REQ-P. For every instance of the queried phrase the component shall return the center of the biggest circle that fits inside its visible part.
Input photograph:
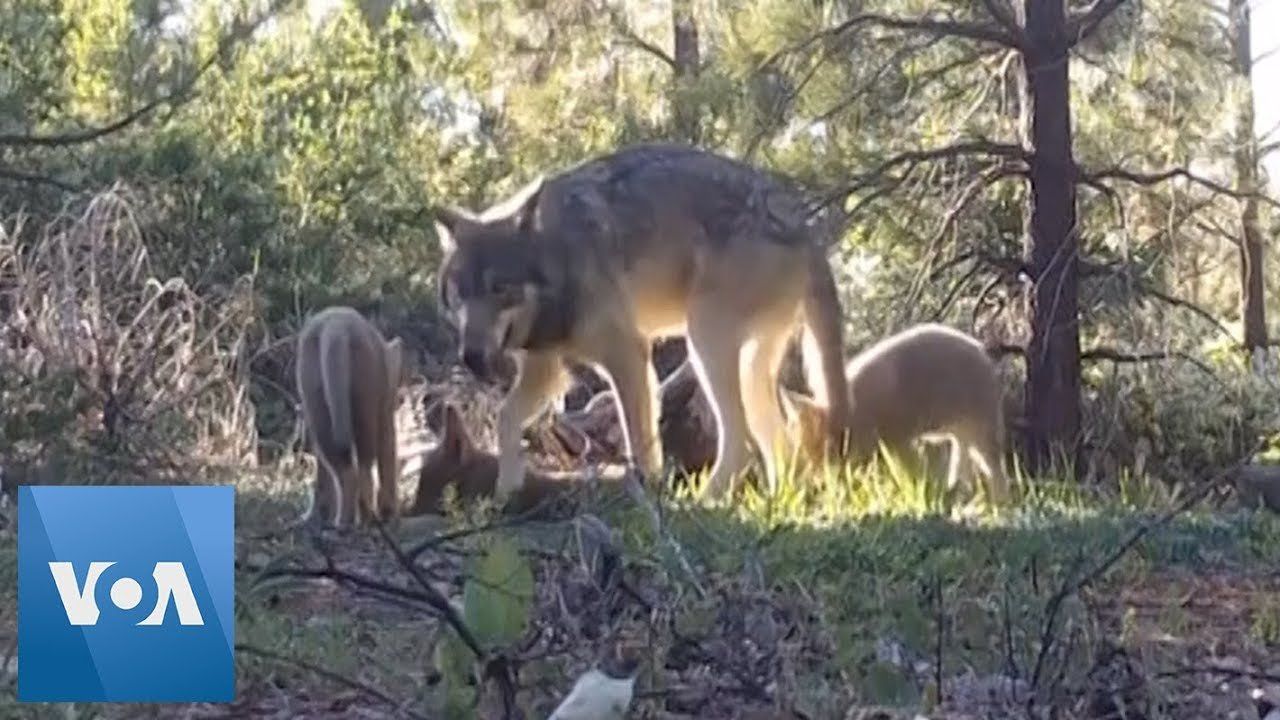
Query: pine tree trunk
(1252, 288)
(1051, 243)
(687, 62)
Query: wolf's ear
(455, 437)
(527, 214)
(809, 417)
(449, 220)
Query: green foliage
(497, 594)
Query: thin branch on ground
(496, 666)
(1221, 671)
(635, 489)
(402, 707)
(1074, 583)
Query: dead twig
(402, 707)
(1074, 583)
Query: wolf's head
(500, 287)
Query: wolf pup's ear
(448, 221)
(455, 437)
(809, 416)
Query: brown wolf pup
(455, 460)
(593, 264)
(349, 378)
(927, 381)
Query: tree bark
(1051, 243)
(687, 62)
(1252, 287)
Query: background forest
(1082, 184)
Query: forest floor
(841, 598)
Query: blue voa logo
(126, 594)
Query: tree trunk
(1051, 243)
(687, 61)
(1252, 288)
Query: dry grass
(102, 358)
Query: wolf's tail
(823, 344)
(335, 376)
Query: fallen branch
(402, 707)
(1222, 671)
(1073, 583)
(495, 665)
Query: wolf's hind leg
(715, 343)
(761, 362)
(540, 378)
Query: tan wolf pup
(926, 382)
(349, 378)
(456, 460)
(594, 263)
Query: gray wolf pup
(926, 382)
(349, 377)
(593, 264)
(473, 472)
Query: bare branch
(879, 175)
(941, 27)
(1081, 26)
(1094, 178)
(1004, 16)
(641, 44)
(1187, 305)
(176, 98)
(1073, 583)
(33, 179)
(630, 37)
(1118, 356)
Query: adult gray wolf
(594, 263)
(926, 382)
(349, 378)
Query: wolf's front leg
(635, 386)
(540, 378)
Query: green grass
(877, 548)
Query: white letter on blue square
(126, 594)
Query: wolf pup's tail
(335, 376)
(823, 345)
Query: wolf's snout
(475, 361)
